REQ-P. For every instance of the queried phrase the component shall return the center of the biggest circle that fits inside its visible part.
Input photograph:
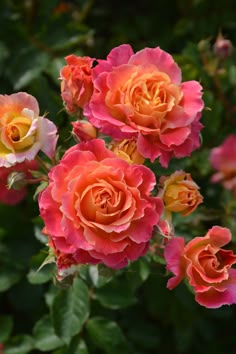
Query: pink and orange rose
(140, 95)
(223, 160)
(98, 208)
(76, 84)
(205, 265)
(23, 133)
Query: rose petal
(173, 254)
(214, 298)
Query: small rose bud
(127, 150)
(204, 45)
(16, 180)
(83, 131)
(222, 47)
(76, 82)
(180, 193)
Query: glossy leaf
(44, 335)
(21, 344)
(70, 310)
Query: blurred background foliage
(128, 311)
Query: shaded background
(35, 36)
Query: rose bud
(83, 131)
(222, 47)
(180, 193)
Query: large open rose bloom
(223, 160)
(206, 266)
(98, 208)
(23, 133)
(141, 95)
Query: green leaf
(137, 273)
(51, 294)
(6, 325)
(70, 309)
(37, 274)
(39, 236)
(21, 344)
(107, 336)
(42, 185)
(77, 346)
(96, 275)
(45, 336)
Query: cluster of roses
(98, 205)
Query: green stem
(42, 164)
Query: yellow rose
(23, 133)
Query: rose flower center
(14, 134)
(102, 203)
(144, 96)
(213, 262)
(103, 199)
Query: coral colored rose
(127, 150)
(98, 208)
(141, 95)
(76, 84)
(206, 266)
(23, 133)
(223, 159)
(12, 196)
(83, 131)
(180, 193)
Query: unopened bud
(83, 131)
(204, 45)
(222, 47)
(16, 180)
(179, 193)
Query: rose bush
(98, 208)
(23, 133)
(206, 266)
(179, 193)
(141, 95)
